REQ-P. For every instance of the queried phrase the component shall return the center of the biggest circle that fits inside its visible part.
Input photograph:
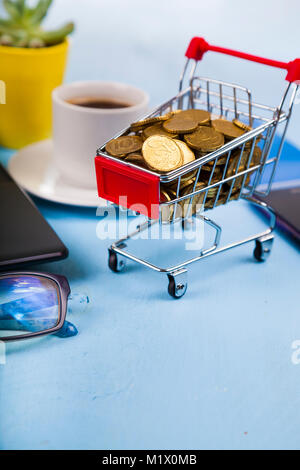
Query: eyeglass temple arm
(67, 331)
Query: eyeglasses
(33, 304)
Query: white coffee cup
(78, 131)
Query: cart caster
(263, 247)
(177, 284)
(115, 262)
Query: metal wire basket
(232, 172)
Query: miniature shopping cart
(127, 184)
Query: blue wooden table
(216, 369)
(212, 370)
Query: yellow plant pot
(29, 75)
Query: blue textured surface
(213, 370)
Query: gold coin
(187, 153)
(238, 182)
(241, 125)
(179, 125)
(133, 155)
(244, 158)
(212, 192)
(202, 134)
(140, 125)
(179, 205)
(256, 156)
(205, 139)
(201, 116)
(185, 180)
(185, 183)
(227, 128)
(206, 172)
(167, 212)
(235, 157)
(189, 176)
(193, 204)
(198, 154)
(221, 161)
(188, 156)
(210, 202)
(222, 199)
(136, 159)
(156, 129)
(124, 145)
(162, 153)
(234, 195)
(233, 163)
(249, 143)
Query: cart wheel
(116, 263)
(177, 284)
(263, 247)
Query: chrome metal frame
(232, 101)
(120, 245)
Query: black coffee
(99, 103)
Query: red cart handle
(198, 47)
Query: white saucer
(32, 168)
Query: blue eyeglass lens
(28, 304)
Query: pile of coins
(166, 143)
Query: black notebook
(286, 203)
(25, 236)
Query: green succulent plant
(22, 27)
